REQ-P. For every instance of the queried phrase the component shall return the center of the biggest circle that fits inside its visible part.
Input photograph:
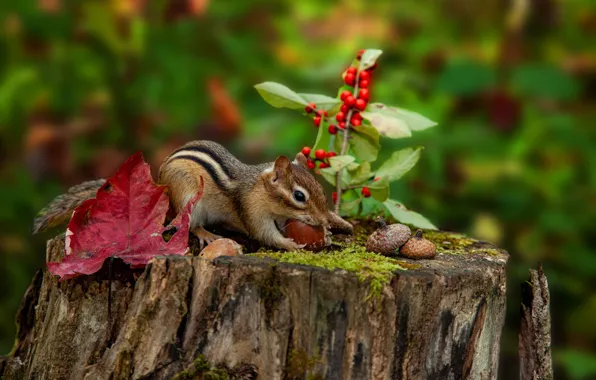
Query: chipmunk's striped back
(221, 166)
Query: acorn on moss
(388, 238)
(418, 248)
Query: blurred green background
(512, 84)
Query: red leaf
(125, 220)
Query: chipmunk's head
(295, 193)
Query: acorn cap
(388, 238)
(418, 248)
(221, 247)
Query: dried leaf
(125, 220)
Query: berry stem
(344, 146)
(381, 221)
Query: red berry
(317, 121)
(363, 84)
(320, 154)
(364, 75)
(377, 179)
(363, 94)
(334, 195)
(344, 95)
(352, 70)
(332, 129)
(323, 165)
(366, 192)
(311, 164)
(341, 125)
(340, 116)
(360, 52)
(310, 107)
(350, 100)
(306, 151)
(344, 108)
(356, 119)
(350, 79)
(360, 104)
(331, 154)
(322, 113)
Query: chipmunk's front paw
(290, 245)
(205, 237)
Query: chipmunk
(256, 200)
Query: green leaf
(323, 102)
(364, 142)
(330, 176)
(379, 189)
(280, 96)
(466, 78)
(361, 174)
(404, 215)
(323, 138)
(339, 162)
(395, 122)
(353, 166)
(399, 164)
(349, 207)
(339, 140)
(544, 81)
(369, 57)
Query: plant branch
(344, 148)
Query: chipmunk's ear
(301, 160)
(281, 169)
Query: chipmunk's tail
(60, 210)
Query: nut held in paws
(302, 233)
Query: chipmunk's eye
(299, 196)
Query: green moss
(449, 243)
(300, 366)
(200, 369)
(352, 257)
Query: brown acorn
(418, 248)
(388, 238)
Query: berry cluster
(353, 102)
(318, 113)
(320, 156)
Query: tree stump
(251, 317)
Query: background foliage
(84, 84)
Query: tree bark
(534, 333)
(243, 317)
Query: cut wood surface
(250, 317)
